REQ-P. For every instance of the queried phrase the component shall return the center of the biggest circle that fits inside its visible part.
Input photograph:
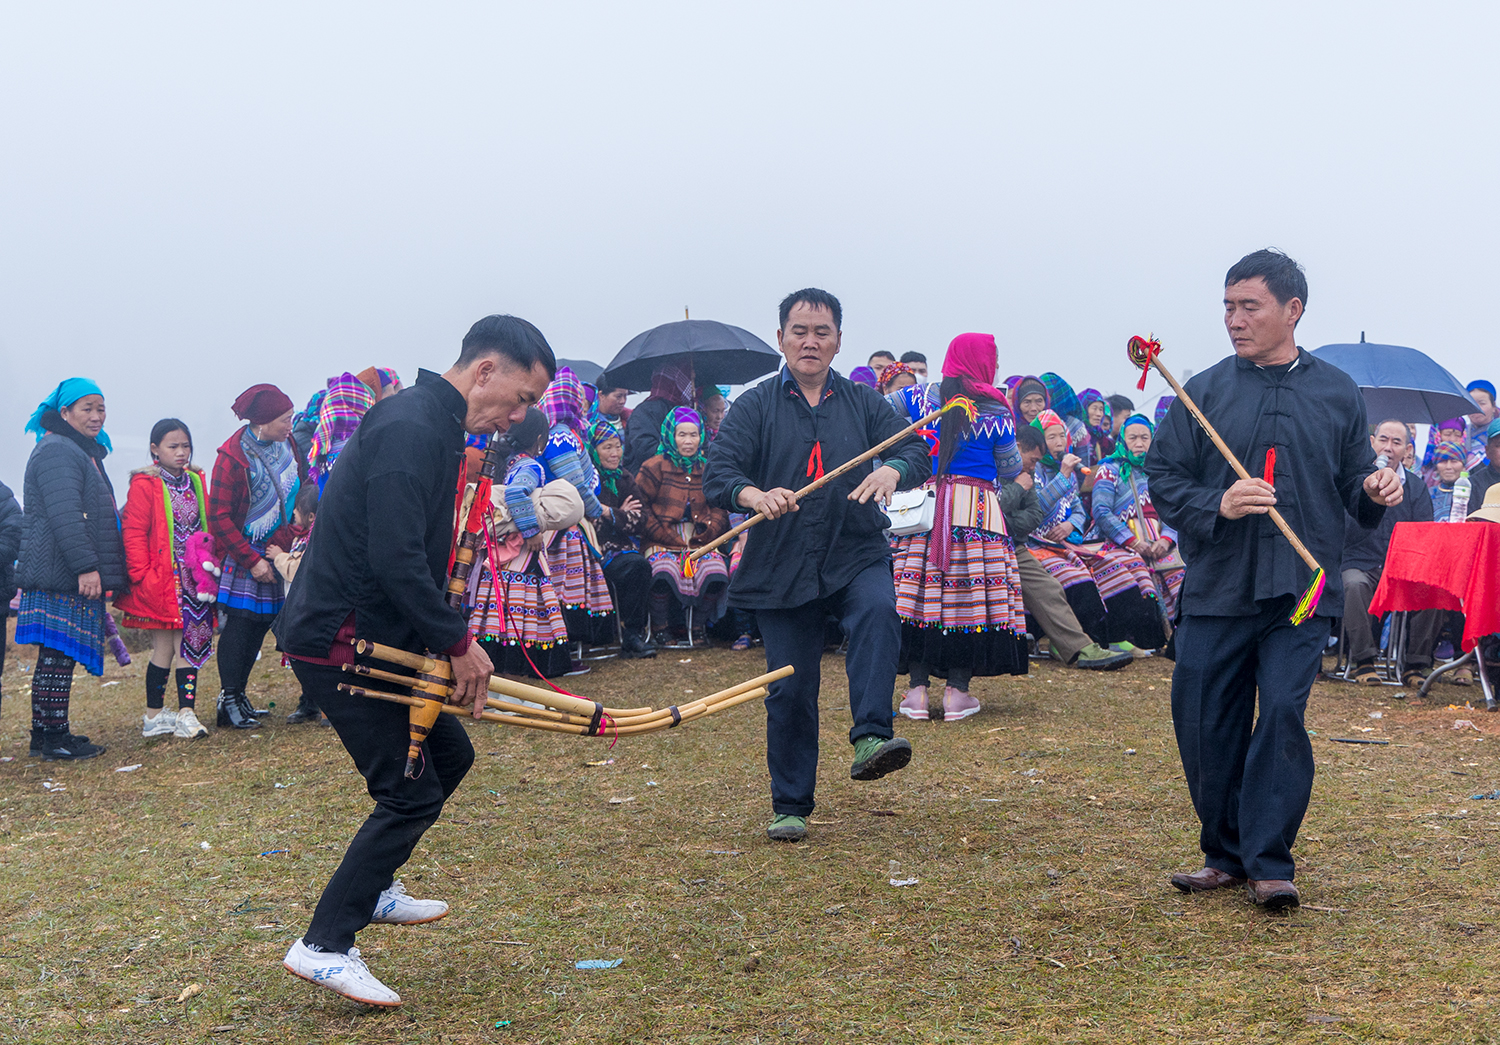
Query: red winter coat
(146, 526)
(229, 500)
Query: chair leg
(687, 613)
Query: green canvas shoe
(875, 757)
(787, 828)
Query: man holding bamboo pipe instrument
(825, 555)
(376, 569)
(1297, 426)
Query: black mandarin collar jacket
(1314, 415)
(766, 441)
(380, 545)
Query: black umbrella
(719, 354)
(1400, 382)
(586, 369)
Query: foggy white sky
(197, 197)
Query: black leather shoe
(252, 712)
(232, 713)
(64, 747)
(634, 647)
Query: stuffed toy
(200, 568)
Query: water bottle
(1461, 488)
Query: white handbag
(912, 511)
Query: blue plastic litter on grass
(1493, 794)
(599, 963)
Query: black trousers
(239, 643)
(1250, 778)
(866, 608)
(375, 734)
(629, 575)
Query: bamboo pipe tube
(503, 686)
(558, 701)
(828, 477)
(688, 713)
(439, 690)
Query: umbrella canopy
(1400, 382)
(586, 369)
(720, 354)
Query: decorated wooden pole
(1145, 353)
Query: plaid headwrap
(1020, 387)
(563, 401)
(602, 430)
(1448, 452)
(1162, 406)
(1123, 458)
(1049, 419)
(1434, 437)
(673, 383)
(339, 414)
(1087, 398)
(1062, 398)
(681, 415)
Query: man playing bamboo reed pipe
(1300, 424)
(825, 556)
(376, 568)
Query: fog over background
(199, 197)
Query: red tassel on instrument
(1271, 466)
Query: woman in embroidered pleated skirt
(958, 588)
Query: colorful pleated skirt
(522, 609)
(68, 623)
(239, 592)
(577, 575)
(968, 615)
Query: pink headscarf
(973, 359)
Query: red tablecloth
(1444, 566)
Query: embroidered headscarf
(667, 447)
(890, 373)
(601, 431)
(1162, 405)
(66, 394)
(344, 404)
(563, 401)
(672, 383)
(1049, 419)
(1123, 458)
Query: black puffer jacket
(71, 526)
(10, 544)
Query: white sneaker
(188, 726)
(344, 974)
(398, 907)
(163, 725)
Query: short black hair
(307, 499)
(1405, 428)
(876, 355)
(605, 387)
(913, 357)
(813, 298)
(1284, 277)
(1029, 437)
(512, 337)
(1120, 406)
(165, 427)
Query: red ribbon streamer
(815, 461)
(1271, 466)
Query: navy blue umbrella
(1400, 382)
(718, 353)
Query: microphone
(1382, 462)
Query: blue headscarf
(66, 394)
(1124, 460)
(1482, 386)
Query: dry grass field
(1041, 832)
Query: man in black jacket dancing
(376, 569)
(1300, 423)
(827, 556)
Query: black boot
(232, 708)
(37, 742)
(65, 747)
(306, 711)
(253, 712)
(634, 646)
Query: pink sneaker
(957, 704)
(914, 704)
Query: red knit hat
(260, 404)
